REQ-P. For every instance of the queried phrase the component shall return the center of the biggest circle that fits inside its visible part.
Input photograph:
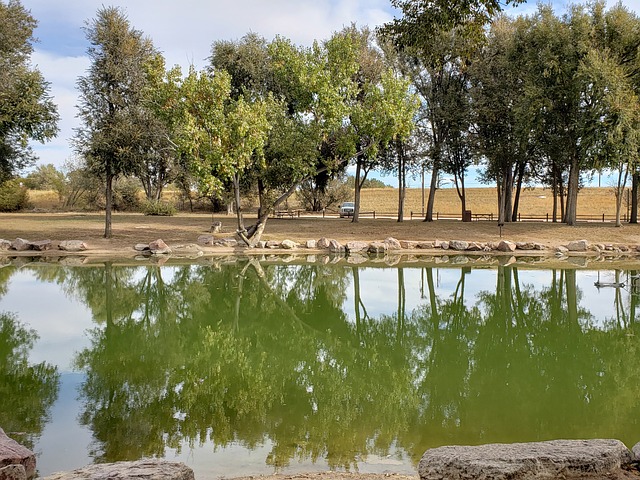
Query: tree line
(545, 98)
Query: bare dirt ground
(132, 228)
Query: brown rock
(506, 246)
(206, 239)
(12, 453)
(578, 246)
(158, 247)
(41, 245)
(13, 472)
(377, 247)
(324, 242)
(336, 247)
(72, 246)
(392, 244)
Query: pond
(244, 368)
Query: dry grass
(533, 202)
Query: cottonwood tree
(27, 111)
(113, 136)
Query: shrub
(159, 208)
(13, 196)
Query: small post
(603, 218)
(500, 225)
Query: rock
(525, 246)
(444, 245)
(377, 248)
(425, 245)
(225, 242)
(188, 250)
(141, 247)
(475, 247)
(5, 244)
(41, 245)
(311, 244)
(73, 246)
(261, 244)
(539, 246)
(13, 472)
(408, 244)
(272, 244)
(392, 244)
(578, 246)
(12, 453)
(206, 239)
(506, 246)
(459, 245)
(158, 247)
(138, 470)
(562, 250)
(288, 244)
(336, 247)
(357, 247)
(544, 460)
(636, 452)
(216, 227)
(20, 244)
(323, 242)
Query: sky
(184, 31)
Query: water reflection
(295, 357)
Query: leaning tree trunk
(432, 194)
(570, 214)
(402, 182)
(357, 187)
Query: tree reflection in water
(251, 353)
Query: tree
(113, 137)
(27, 111)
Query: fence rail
(474, 216)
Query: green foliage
(316, 198)
(368, 183)
(27, 111)
(162, 209)
(13, 196)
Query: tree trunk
(108, 195)
(432, 194)
(635, 179)
(516, 202)
(402, 183)
(358, 187)
(570, 214)
(620, 189)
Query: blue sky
(184, 32)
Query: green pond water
(245, 368)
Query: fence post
(547, 217)
(374, 214)
(323, 212)
(603, 218)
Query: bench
(483, 216)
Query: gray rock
(636, 452)
(288, 244)
(138, 470)
(12, 453)
(324, 242)
(5, 244)
(444, 245)
(73, 246)
(537, 460)
(311, 244)
(336, 247)
(41, 245)
(377, 247)
(459, 245)
(261, 244)
(392, 244)
(13, 472)
(578, 246)
(408, 244)
(425, 245)
(357, 247)
(206, 239)
(158, 247)
(141, 247)
(188, 250)
(539, 246)
(272, 244)
(562, 250)
(20, 244)
(225, 242)
(475, 247)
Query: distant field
(534, 202)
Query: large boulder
(288, 244)
(72, 246)
(538, 460)
(357, 247)
(13, 472)
(138, 470)
(158, 247)
(12, 453)
(578, 246)
(20, 244)
(392, 244)
(41, 245)
(506, 246)
(459, 245)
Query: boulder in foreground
(138, 470)
(12, 453)
(537, 460)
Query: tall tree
(27, 111)
(114, 131)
